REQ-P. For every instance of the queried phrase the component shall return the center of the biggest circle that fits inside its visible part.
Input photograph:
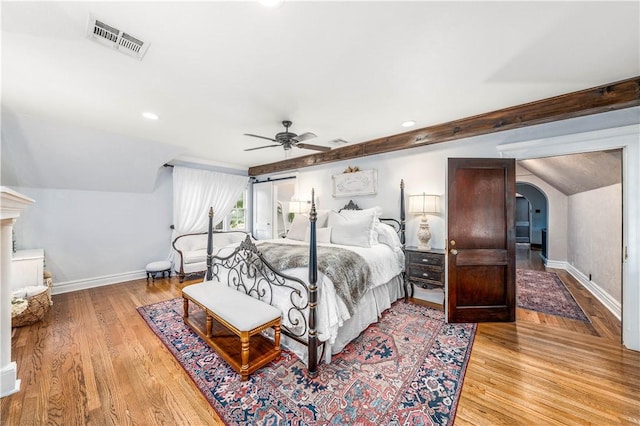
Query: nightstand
(424, 268)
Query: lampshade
(424, 203)
(298, 207)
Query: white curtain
(195, 191)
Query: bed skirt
(370, 308)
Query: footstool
(160, 266)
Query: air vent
(112, 37)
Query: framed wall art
(363, 182)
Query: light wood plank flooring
(548, 370)
(93, 360)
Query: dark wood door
(481, 240)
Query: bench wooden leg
(244, 369)
(185, 308)
(209, 326)
(276, 336)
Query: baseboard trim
(9, 382)
(69, 286)
(556, 264)
(605, 298)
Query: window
(237, 217)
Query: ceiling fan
(287, 140)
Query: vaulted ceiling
(571, 174)
(345, 70)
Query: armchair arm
(176, 245)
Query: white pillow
(387, 235)
(354, 232)
(323, 235)
(371, 214)
(376, 211)
(299, 227)
(335, 218)
(323, 217)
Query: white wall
(92, 238)
(44, 153)
(422, 169)
(594, 237)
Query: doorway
(535, 215)
(271, 199)
(576, 207)
(582, 232)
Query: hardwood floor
(93, 360)
(548, 370)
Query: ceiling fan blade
(261, 137)
(314, 147)
(305, 136)
(260, 147)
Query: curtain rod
(271, 180)
(207, 167)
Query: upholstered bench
(244, 316)
(160, 266)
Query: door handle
(453, 251)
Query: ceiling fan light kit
(288, 140)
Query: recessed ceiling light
(271, 3)
(408, 123)
(150, 116)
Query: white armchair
(192, 250)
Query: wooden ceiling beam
(608, 97)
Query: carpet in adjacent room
(545, 292)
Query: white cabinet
(28, 267)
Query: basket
(37, 307)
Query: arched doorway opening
(533, 217)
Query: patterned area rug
(406, 369)
(545, 292)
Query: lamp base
(424, 247)
(424, 235)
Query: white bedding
(386, 263)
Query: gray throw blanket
(347, 270)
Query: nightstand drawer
(421, 258)
(424, 268)
(433, 276)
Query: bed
(330, 279)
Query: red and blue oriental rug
(406, 369)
